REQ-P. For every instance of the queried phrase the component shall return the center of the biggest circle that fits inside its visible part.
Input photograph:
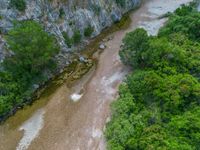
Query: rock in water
(102, 46)
(76, 97)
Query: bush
(121, 3)
(76, 37)
(96, 9)
(61, 13)
(18, 4)
(68, 40)
(88, 31)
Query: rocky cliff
(64, 16)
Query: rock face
(64, 16)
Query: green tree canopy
(134, 44)
(33, 56)
(159, 104)
(33, 51)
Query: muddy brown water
(74, 118)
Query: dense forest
(158, 105)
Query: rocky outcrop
(64, 16)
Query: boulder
(102, 46)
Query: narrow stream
(74, 118)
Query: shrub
(96, 9)
(76, 37)
(68, 40)
(121, 3)
(61, 13)
(18, 4)
(88, 31)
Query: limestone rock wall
(58, 16)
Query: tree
(9, 91)
(33, 51)
(134, 44)
(158, 105)
(185, 20)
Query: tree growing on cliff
(18, 4)
(121, 3)
(33, 50)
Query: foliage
(88, 31)
(28, 41)
(158, 107)
(61, 13)
(134, 44)
(76, 37)
(33, 55)
(18, 4)
(96, 9)
(171, 54)
(8, 92)
(68, 40)
(185, 20)
(121, 3)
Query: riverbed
(74, 118)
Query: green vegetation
(137, 40)
(121, 3)
(68, 40)
(88, 31)
(158, 107)
(30, 64)
(71, 23)
(189, 25)
(96, 9)
(18, 4)
(76, 37)
(61, 13)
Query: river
(74, 118)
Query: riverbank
(161, 94)
(82, 62)
(80, 125)
(69, 77)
